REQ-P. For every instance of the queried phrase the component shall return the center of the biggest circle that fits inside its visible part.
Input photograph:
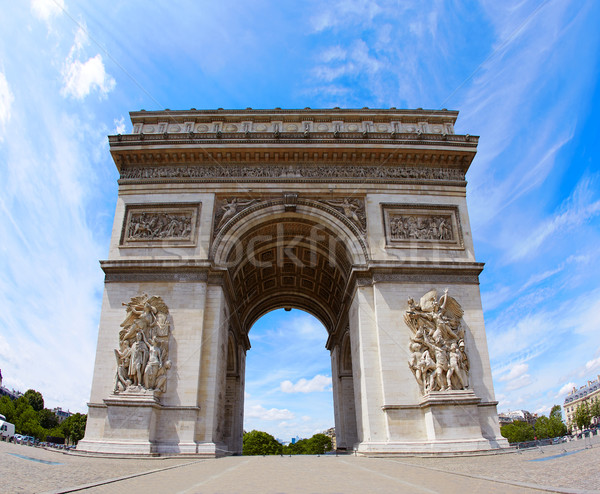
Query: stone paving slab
(25, 469)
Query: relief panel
(150, 225)
(426, 226)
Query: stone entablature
(371, 121)
(288, 144)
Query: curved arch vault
(355, 216)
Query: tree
(35, 399)
(73, 427)
(48, 419)
(582, 416)
(7, 408)
(318, 444)
(260, 443)
(517, 432)
(595, 409)
(552, 426)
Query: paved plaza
(567, 467)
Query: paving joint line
(118, 479)
(539, 487)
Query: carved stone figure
(228, 209)
(438, 358)
(123, 355)
(143, 346)
(154, 363)
(353, 209)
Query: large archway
(357, 216)
(295, 259)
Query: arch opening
(292, 261)
(288, 376)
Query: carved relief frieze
(438, 358)
(143, 354)
(426, 226)
(225, 172)
(146, 225)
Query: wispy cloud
(565, 389)
(317, 383)
(6, 100)
(580, 207)
(259, 412)
(81, 78)
(46, 9)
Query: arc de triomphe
(358, 217)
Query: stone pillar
(366, 367)
(343, 396)
(211, 384)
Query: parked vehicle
(7, 430)
(29, 440)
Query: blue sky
(524, 76)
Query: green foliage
(41, 423)
(518, 432)
(35, 399)
(56, 432)
(7, 408)
(48, 419)
(582, 416)
(260, 443)
(552, 426)
(73, 428)
(595, 409)
(556, 412)
(316, 445)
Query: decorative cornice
(418, 272)
(154, 271)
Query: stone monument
(350, 215)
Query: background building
(589, 393)
(522, 415)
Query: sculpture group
(421, 228)
(438, 358)
(142, 357)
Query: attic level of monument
(356, 216)
(392, 138)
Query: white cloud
(345, 12)
(6, 101)
(544, 410)
(317, 383)
(120, 126)
(577, 209)
(81, 78)
(259, 412)
(566, 389)
(592, 365)
(45, 9)
(518, 383)
(515, 372)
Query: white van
(7, 430)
